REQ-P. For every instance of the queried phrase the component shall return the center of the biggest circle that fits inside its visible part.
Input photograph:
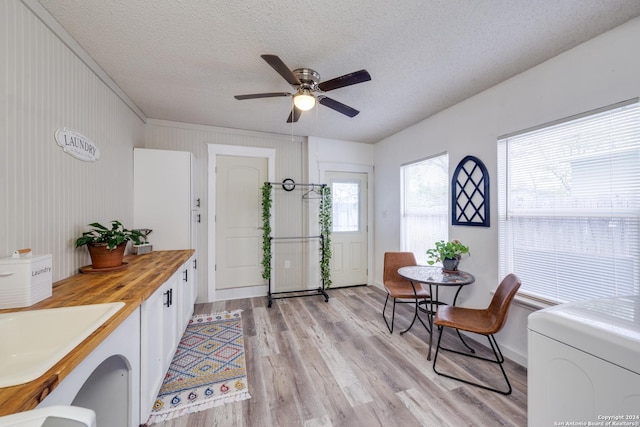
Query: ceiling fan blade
(294, 115)
(262, 95)
(346, 80)
(339, 107)
(281, 68)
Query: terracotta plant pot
(101, 257)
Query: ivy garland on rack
(325, 222)
(325, 230)
(266, 231)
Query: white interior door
(349, 232)
(238, 221)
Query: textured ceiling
(184, 60)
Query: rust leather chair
(400, 289)
(486, 322)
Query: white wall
(161, 134)
(343, 154)
(597, 73)
(47, 197)
(296, 158)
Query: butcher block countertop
(132, 285)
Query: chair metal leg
(464, 342)
(499, 360)
(455, 298)
(393, 314)
(415, 316)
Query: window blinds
(569, 206)
(425, 201)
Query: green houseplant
(449, 253)
(107, 245)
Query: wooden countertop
(132, 285)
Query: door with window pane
(349, 229)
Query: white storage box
(143, 248)
(25, 281)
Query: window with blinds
(569, 206)
(425, 200)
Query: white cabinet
(163, 319)
(159, 336)
(186, 293)
(164, 198)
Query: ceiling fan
(308, 88)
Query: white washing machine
(61, 416)
(584, 363)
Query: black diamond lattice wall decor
(470, 195)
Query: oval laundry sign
(77, 145)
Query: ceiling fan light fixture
(303, 100)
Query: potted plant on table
(449, 253)
(107, 245)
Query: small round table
(435, 277)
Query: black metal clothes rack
(289, 185)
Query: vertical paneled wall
(46, 196)
(195, 138)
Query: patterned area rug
(207, 370)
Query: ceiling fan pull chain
(292, 121)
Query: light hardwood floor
(312, 363)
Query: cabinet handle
(185, 277)
(198, 218)
(195, 264)
(198, 202)
(169, 295)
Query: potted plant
(107, 245)
(449, 253)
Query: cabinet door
(151, 352)
(186, 295)
(162, 196)
(194, 280)
(159, 337)
(170, 330)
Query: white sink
(31, 342)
